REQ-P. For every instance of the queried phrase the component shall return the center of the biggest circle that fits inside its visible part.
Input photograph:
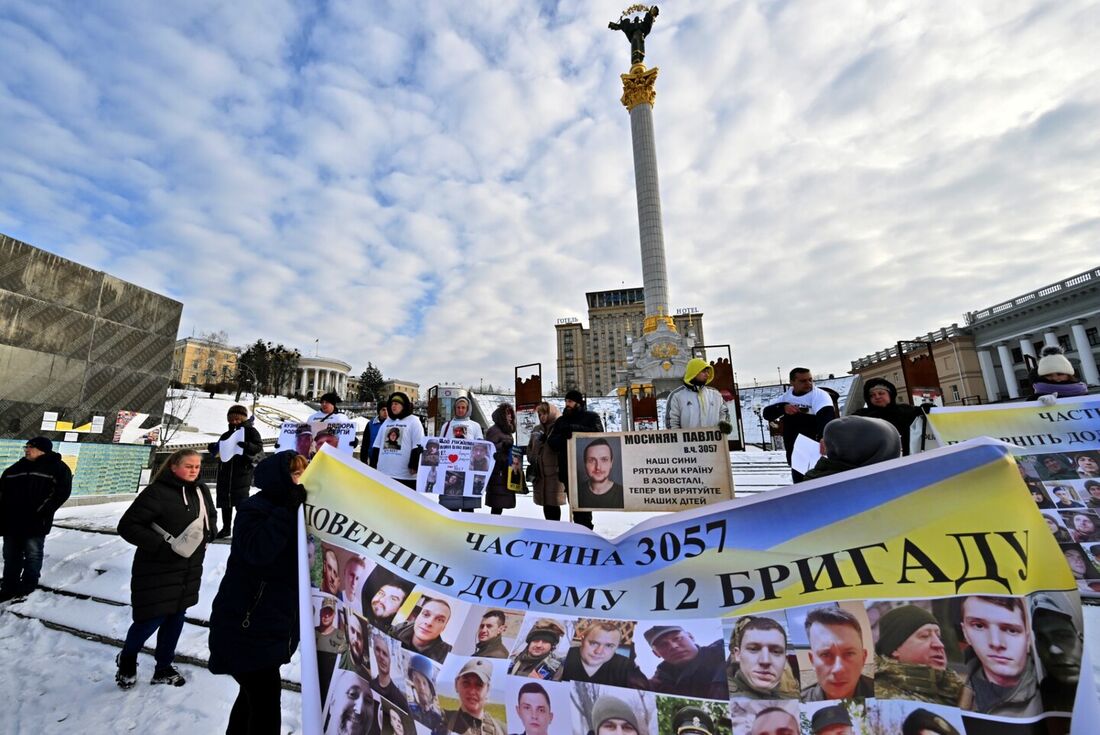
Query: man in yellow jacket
(694, 405)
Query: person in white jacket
(695, 405)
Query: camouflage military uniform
(464, 723)
(549, 667)
(895, 680)
(740, 688)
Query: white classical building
(320, 375)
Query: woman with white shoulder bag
(170, 522)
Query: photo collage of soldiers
(1066, 488)
(463, 473)
(396, 658)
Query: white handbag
(192, 537)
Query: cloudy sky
(429, 186)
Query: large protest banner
(649, 470)
(883, 597)
(1057, 449)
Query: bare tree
(178, 406)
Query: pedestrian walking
(170, 522)
(31, 491)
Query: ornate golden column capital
(638, 86)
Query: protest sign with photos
(454, 466)
(307, 437)
(736, 608)
(1057, 450)
(671, 469)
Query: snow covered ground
(52, 680)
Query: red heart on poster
(452, 458)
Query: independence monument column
(660, 355)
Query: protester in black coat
(575, 419)
(254, 618)
(881, 398)
(235, 475)
(163, 584)
(31, 491)
(497, 495)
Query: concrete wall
(78, 342)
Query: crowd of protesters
(254, 619)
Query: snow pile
(204, 417)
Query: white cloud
(428, 186)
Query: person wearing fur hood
(497, 495)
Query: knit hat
(575, 395)
(331, 398)
(895, 627)
(41, 443)
(883, 383)
(657, 631)
(1052, 360)
(608, 707)
(860, 440)
(238, 410)
(695, 366)
(479, 666)
(922, 721)
(547, 630)
(692, 720)
(834, 714)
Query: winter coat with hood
(856, 441)
(547, 485)
(235, 476)
(161, 581)
(497, 494)
(31, 491)
(692, 406)
(579, 420)
(899, 415)
(254, 618)
(399, 463)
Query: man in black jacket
(576, 418)
(31, 491)
(235, 473)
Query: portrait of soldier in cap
(472, 686)
(538, 658)
(831, 720)
(837, 655)
(757, 666)
(923, 722)
(1056, 620)
(911, 660)
(686, 668)
(595, 658)
(612, 716)
(692, 721)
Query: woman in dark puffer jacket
(164, 584)
(254, 618)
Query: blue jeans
(168, 628)
(22, 563)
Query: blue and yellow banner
(928, 587)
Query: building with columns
(987, 360)
(1066, 313)
(319, 375)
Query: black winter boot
(126, 676)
